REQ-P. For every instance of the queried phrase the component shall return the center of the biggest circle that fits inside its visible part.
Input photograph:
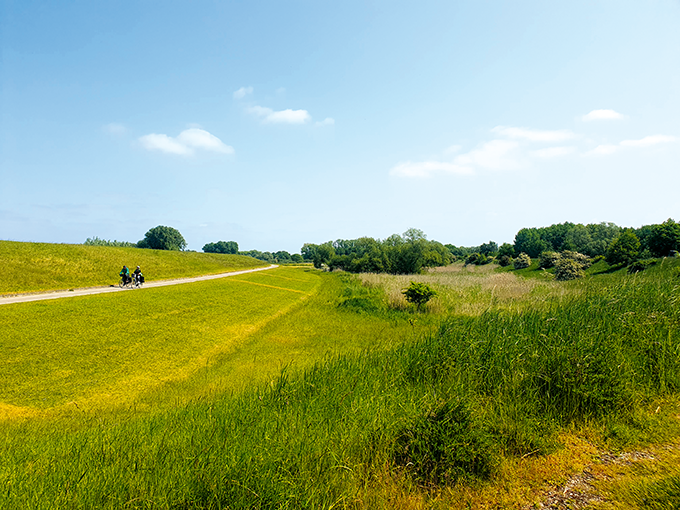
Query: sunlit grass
(41, 266)
(108, 348)
(470, 290)
(530, 386)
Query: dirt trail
(24, 298)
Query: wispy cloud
(534, 135)
(288, 116)
(642, 143)
(328, 121)
(185, 143)
(494, 155)
(603, 115)
(428, 169)
(648, 141)
(114, 128)
(242, 92)
(552, 152)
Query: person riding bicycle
(139, 277)
(125, 275)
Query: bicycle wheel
(121, 283)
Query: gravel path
(24, 298)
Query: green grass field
(294, 388)
(34, 267)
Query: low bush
(640, 265)
(547, 259)
(504, 261)
(522, 261)
(568, 269)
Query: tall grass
(445, 409)
(42, 266)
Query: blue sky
(276, 123)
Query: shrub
(568, 269)
(624, 249)
(547, 259)
(522, 261)
(444, 445)
(582, 260)
(473, 258)
(504, 261)
(418, 293)
(640, 265)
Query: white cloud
(200, 139)
(185, 143)
(115, 129)
(428, 168)
(552, 152)
(288, 116)
(603, 115)
(648, 141)
(452, 149)
(242, 92)
(328, 121)
(642, 143)
(603, 150)
(534, 135)
(495, 155)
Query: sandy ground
(23, 298)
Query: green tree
(506, 249)
(664, 238)
(528, 240)
(624, 249)
(163, 238)
(418, 293)
(230, 247)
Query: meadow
(329, 391)
(43, 266)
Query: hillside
(43, 267)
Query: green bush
(522, 261)
(582, 260)
(444, 445)
(624, 249)
(163, 238)
(504, 261)
(547, 259)
(418, 293)
(640, 265)
(568, 269)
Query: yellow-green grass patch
(105, 350)
(32, 267)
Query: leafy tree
(504, 261)
(489, 248)
(624, 249)
(324, 254)
(507, 250)
(230, 247)
(664, 238)
(528, 240)
(95, 241)
(282, 256)
(297, 258)
(418, 293)
(308, 251)
(163, 238)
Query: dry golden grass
(468, 290)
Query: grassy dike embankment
(35, 267)
(343, 397)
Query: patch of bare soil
(578, 492)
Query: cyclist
(125, 275)
(139, 277)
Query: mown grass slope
(42, 266)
